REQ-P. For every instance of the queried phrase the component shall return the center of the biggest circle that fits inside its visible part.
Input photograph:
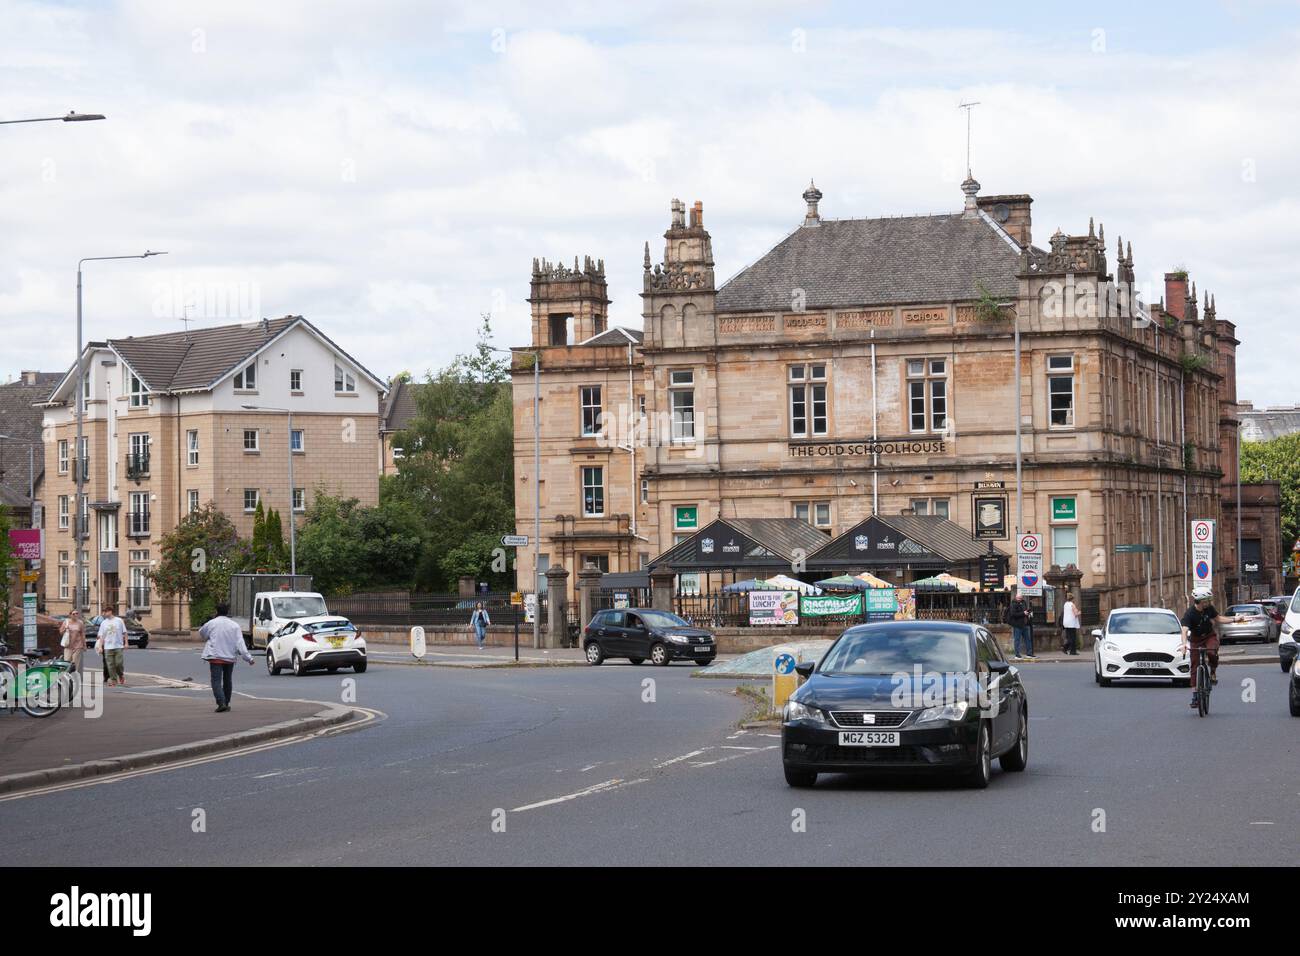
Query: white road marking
(738, 747)
(710, 763)
(693, 753)
(598, 788)
(1261, 823)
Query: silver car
(1252, 623)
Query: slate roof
(616, 336)
(1265, 424)
(176, 361)
(399, 407)
(941, 536)
(776, 539)
(865, 262)
(22, 421)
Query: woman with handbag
(73, 641)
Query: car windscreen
(1144, 622)
(889, 651)
(661, 619)
(299, 605)
(1245, 609)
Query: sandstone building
(868, 366)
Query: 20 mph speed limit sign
(1029, 564)
(1031, 543)
(1203, 531)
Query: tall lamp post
(293, 534)
(82, 532)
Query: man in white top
(224, 642)
(112, 638)
(1070, 625)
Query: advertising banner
(773, 608)
(882, 604)
(25, 544)
(825, 605)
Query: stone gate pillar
(557, 607)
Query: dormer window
(139, 395)
(344, 382)
(246, 378)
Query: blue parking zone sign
(784, 663)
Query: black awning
(914, 542)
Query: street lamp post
(80, 531)
(71, 117)
(293, 534)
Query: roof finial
(1101, 235)
(1129, 257)
(1092, 233)
(647, 255)
(812, 195)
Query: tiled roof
(616, 336)
(1265, 424)
(22, 422)
(941, 536)
(176, 361)
(400, 406)
(852, 262)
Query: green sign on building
(1063, 509)
(686, 517)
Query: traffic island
(135, 729)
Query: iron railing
(407, 609)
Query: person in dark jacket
(1021, 618)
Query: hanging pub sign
(989, 515)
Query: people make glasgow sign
(866, 448)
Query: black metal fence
(407, 609)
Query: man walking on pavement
(224, 641)
(1070, 626)
(112, 640)
(1020, 616)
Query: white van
(273, 609)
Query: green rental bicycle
(39, 686)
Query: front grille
(832, 753)
(858, 718)
(1149, 656)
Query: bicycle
(1204, 680)
(40, 687)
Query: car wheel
(800, 778)
(659, 655)
(298, 669)
(982, 772)
(359, 667)
(1294, 699)
(272, 667)
(1096, 674)
(636, 660)
(144, 642)
(594, 654)
(1017, 758)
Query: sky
(389, 169)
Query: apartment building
(178, 420)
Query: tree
(197, 558)
(1277, 460)
(458, 471)
(347, 547)
(277, 553)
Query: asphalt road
(579, 769)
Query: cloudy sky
(390, 168)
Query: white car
(1286, 641)
(1141, 643)
(316, 643)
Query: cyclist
(1198, 631)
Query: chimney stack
(1176, 294)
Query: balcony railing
(137, 524)
(137, 465)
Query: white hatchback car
(1141, 643)
(316, 643)
(1286, 640)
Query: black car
(641, 634)
(136, 634)
(907, 696)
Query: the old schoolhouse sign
(867, 448)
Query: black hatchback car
(907, 696)
(641, 634)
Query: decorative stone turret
(569, 305)
(812, 196)
(678, 294)
(971, 188)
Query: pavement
(626, 765)
(151, 721)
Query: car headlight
(797, 711)
(1110, 646)
(1287, 628)
(954, 711)
(679, 639)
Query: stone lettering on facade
(937, 316)
(806, 322)
(859, 449)
(746, 324)
(872, 319)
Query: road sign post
(784, 679)
(1029, 564)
